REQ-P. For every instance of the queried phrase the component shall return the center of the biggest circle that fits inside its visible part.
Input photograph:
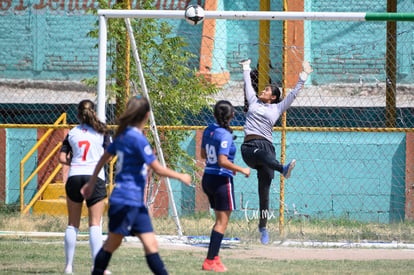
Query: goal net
(349, 129)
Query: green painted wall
(18, 143)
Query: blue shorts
(129, 220)
(220, 192)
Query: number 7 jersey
(87, 146)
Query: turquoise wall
(184, 196)
(365, 181)
(18, 143)
(47, 40)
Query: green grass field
(31, 256)
(28, 254)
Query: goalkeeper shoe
(287, 169)
(264, 235)
(245, 64)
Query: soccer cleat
(264, 235)
(209, 265)
(220, 265)
(214, 265)
(68, 270)
(245, 64)
(287, 169)
(106, 272)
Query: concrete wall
(47, 40)
(365, 181)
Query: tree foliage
(175, 88)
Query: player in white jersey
(81, 150)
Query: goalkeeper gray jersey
(261, 117)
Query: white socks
(95, 243)
(71, 234)
(95, 240)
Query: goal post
(336, 129)
(230, 15)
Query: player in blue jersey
(257, 149)
(81, 150)
(218, 148)
(127, 212)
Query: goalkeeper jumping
(257, 149)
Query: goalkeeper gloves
(307, 70)
(245, 64)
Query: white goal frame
(105, 14)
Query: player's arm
(224, 162)
(65, 155)
(64, 158)
(88, 188)
(167, 172)
(203, 153)
(303, 76)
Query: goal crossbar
(262, 15)
(232, 15)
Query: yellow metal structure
(23, 183)
(50, 199)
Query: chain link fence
(350, 128)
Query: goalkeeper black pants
(260, 154)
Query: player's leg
(224, 202)
(259, 153)
(104, 255)
(71, 232)
(121, 218)
(142, 228)
(95, 230)
(213, 259)
(265, 177)
(74, 202)
(96, 206)
(254, 155)
(152, 256)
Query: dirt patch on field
(279, 251)
(301, 253)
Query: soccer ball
(194, 14)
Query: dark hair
(87, 115)
(223, 113)
(135, 113)
(275, 92)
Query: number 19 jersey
(217, 141)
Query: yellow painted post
(283, 131)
